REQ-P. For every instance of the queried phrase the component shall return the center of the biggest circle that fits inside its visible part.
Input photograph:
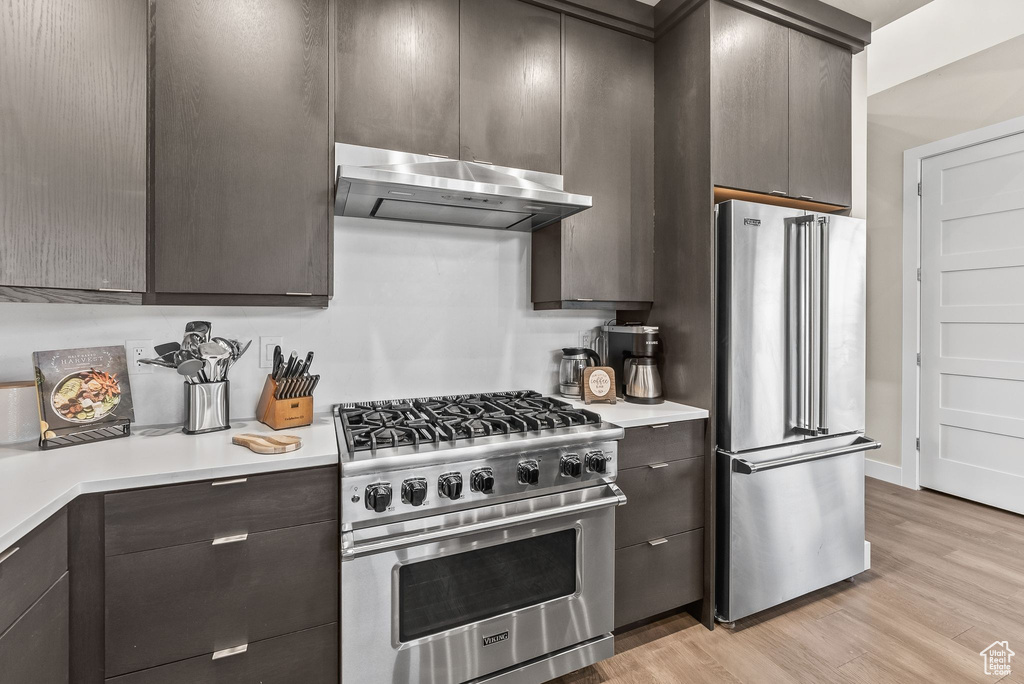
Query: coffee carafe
(570, 370)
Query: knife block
(282, 414)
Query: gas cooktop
(382, 425)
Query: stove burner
(433, 420)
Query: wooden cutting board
(268, 444)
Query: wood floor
(947, 580)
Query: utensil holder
(206, 407)
(282, 414)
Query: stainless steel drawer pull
(230, 540)
(221, 483)
(655, 466)
(112, 289)
(806, 197)
(658, 542)
(779, 193)
(8, 553)
(228, 652)
(658, 427)
(439, 156)
(481, 161)
(584, 299)
(299, 294)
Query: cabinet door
(749, 101)
(73, 144)
(510, 84)
(242, 153)
(608, 153)
(819, 119)
(35, 650)
(398, 75)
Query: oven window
(444, 593)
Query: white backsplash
(417, 310)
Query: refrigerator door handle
(745, 467)
(801, 301)
(823, 295)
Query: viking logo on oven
(751, 222)
(488, 640)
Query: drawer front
(651, 579)
(35, 649)
(170, 604)
(31, 566)
(661, 500)
(661, 443)
(307, 657)
(181, 514)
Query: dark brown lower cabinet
(35, 648)
(659, 533)
(658, 575)
(306, 657)
(170, 604)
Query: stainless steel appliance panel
(791, 520)
(757, 247)
(373, 650)
(844, 248)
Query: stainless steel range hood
(397, 186)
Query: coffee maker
(634, 351)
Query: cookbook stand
(121, 427)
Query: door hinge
(918, 275)
(919, 188)
(918, 443)
(919, 358)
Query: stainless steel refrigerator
(790, 396)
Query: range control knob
(571, 466)
(450, 485)
(378, 496)
(414, 491)
(482, 480)
(528, 472)
(596, 462)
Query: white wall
(940, 33)
(418, 310)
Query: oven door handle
(613, 496)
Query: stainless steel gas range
(477, 539)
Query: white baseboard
(883, 471)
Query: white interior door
(972, 323)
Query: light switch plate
(135, 350)
(267, 345)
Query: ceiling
(878, 12)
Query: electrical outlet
(267, 345)
(135, 350)
(585, 338)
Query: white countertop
(35, 484)
(629, 415)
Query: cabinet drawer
(35, 649)
(660, 501)
(660, 443)
(31, 566)
(181, 514)
(170, 604)
(651, 579)
(307, 657)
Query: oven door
(453, 597)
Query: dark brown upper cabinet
(398, 75)
(605, 253)
(820, 148)
(780, 109)
(510, 85)
(73, 141)
(242, 152)
(749, 101)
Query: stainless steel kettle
(570, 370)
